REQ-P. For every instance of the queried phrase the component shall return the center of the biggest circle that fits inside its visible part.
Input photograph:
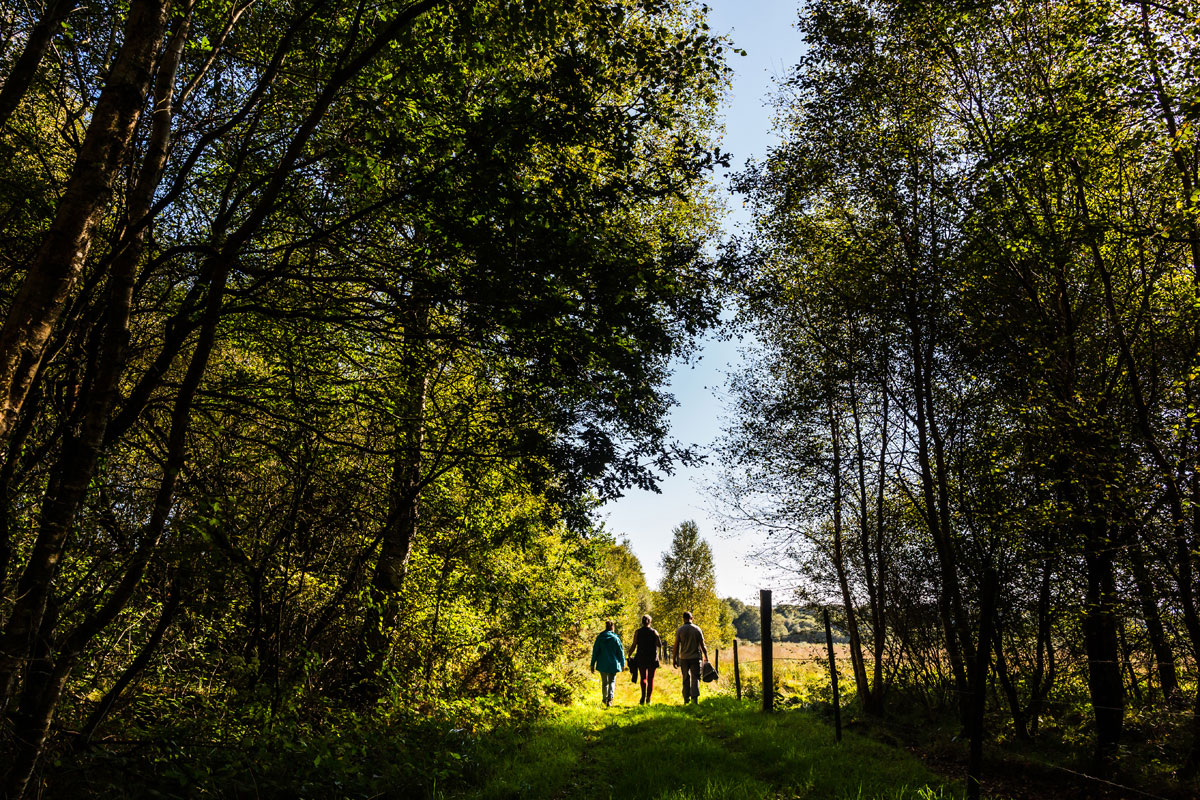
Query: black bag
(632, 671)
(708, 673)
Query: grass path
(718, 750)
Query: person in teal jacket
(608, 655)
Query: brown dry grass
(801, 669)
(806, 651)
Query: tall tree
(689, 583)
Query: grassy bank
(718, 749)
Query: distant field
(801, 669)
(749, 651)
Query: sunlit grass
(718, 749)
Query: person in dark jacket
(608, 655)
(648, 644)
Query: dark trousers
(691, 678)
(647, 676)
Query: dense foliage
(630, 595)
(972, 421)
(325, 325)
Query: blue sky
(764, 29)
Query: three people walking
(689, 652)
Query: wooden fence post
(768, 676)
(737, 676)
(837, 700)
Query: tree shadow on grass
(664, 753)
(717, 750)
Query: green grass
(718, 750)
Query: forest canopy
(325, 326)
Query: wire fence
(907, 732)
(819, 675)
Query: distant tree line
(789, 623)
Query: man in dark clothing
(689, 651)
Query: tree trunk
(1105, 685)
(949, 599)
(978, 704)
(37, 305)
(1020, 717)
(404, 510)
(1127, 664)
(1164, 658)
(81, 451)
(20, 77)
(41, 701)
(1043, 667)
(404, 502)
(872, 701)
(878, 610)
(1170, 473)
(32, 728)
(839, 559)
